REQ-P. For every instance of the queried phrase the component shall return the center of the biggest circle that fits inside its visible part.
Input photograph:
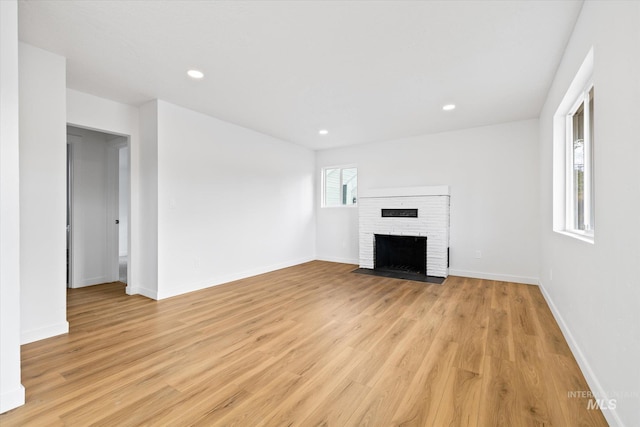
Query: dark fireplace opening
(407, 254)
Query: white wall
(148, 230)
(11, 391)
(231, 202)
(493, 175)
(256, 188)
(43, 153)
(594, 288)
(93, 202)
(92, 112)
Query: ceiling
(364, 70)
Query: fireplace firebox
(406, 254)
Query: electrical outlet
(478, 254)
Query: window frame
(323, 201)
(564, 213)
(570, 221)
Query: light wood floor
(308, 345)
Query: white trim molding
(43, 333)
(338, 260)
(12, 399)
(494, 276)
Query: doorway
(97, 207)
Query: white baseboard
(11, 399)
(43, 333)
(338, 259)
(215, 281)
(92, 281)
(493, 276)
(141, 290)
(610, 414)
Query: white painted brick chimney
(432, 221)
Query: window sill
(588, 238)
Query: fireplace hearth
(400, 257)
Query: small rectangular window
(340, 186)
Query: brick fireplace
(421, 212)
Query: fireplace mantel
(436, 190)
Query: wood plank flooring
(308, 345)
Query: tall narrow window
(573, 157)
(340, 186)
(580, 216)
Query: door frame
(71, 141)
(113, 147)
(113, 205)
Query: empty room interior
(320, 213)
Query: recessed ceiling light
(195, 74)
(449, 107)
(323, 131)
